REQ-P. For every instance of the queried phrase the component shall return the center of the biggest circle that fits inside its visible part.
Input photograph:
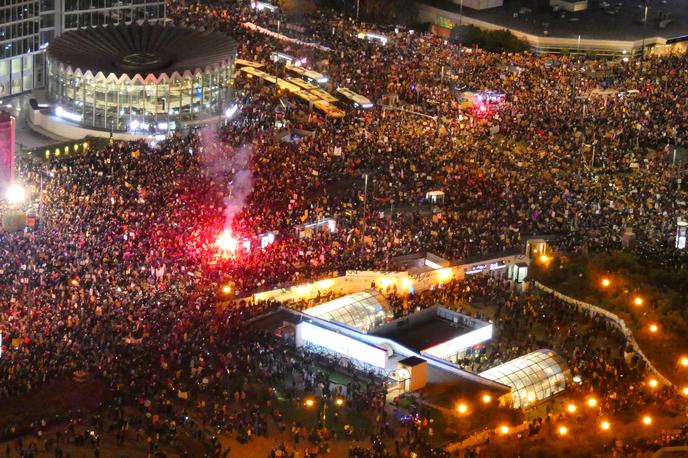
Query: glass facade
(19, 43)
(146, 104)
(89, 13)
(364, 311)
(533, 377)
(28, 26)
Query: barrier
(621, 324)
(354, 281)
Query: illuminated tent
(364, 310)
(533, 377)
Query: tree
(489, 40)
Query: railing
(618, 322)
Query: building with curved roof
(147, 78)
(364, 310)
(533, 377)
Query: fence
(621, 324)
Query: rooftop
(142, 49)
(610, 19)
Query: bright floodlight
(15, 194)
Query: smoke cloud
(230, 165)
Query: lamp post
(365, 210)
(642, 55)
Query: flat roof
(422, 335)
(596, 22)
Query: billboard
(6, 149)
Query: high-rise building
(28, 26)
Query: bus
(351, 97)
(308, 75)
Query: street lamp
(605, 425)
(605, 282)
(647, 420)
(572, 408)
(683, 361)
(638, 301)
(592, 402)
(563, 430)
(462, 408)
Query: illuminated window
(533, 377)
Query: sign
(444, 22)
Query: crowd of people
(121, 276)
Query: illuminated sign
(343, 345)
(681, 233)
(460, 343)
(481, 267)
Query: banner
(6, 149)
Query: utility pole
(642, 55)
(365, 209)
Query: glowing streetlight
(572, 408)
(544, 258)
(226, 289)
(605, 425)
(309, 402)
(654, 328)
(487, 398)
(683, 361)
(15, 194)
(592, 402)
(339, 402)
(563, 430)
(638, 301)
(462, 408)
(647, 420)
(653, 383)
(685, 391)
(504, 429)
(605, 282)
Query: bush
(489, 40)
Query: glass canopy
(364, 310)
(533, 377)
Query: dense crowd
(121, 276)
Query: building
(28, 26)
(570, 26)
(20, 55)
(533, 377)
(420, 351)
(138, 79)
